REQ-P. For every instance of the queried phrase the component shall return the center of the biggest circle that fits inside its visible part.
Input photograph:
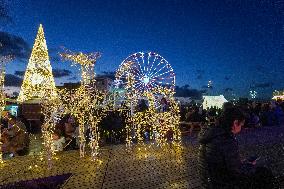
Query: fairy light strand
(38, 80)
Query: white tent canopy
(211, 101)
(276, 97)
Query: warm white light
(38, 80)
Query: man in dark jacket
(220, 165)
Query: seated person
(14, 121)
(4, 119)
(58, 141)
(16, 140)
(70, 132)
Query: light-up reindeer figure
(87, 63)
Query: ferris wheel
(143, 72)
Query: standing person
(219, 163)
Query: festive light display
(253, 94)
(278, 95)
(145, 71)
(84, 103)
(148, 76)
(161, 126)
(89, 109)
(52, 111)
(38, 80)
(87, 63)
(3, 61)
(209, 84)
(88, 106)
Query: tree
(38, 80)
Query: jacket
(219, 161)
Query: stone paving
(143, 166)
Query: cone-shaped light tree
(38, 81)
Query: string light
(253, 94)
(39, 83)
(38, 80)
(84, 103)
(138, 84)
(3, 61)
(148, 70)
(86, 61)
(89, 109)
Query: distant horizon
(9, 90)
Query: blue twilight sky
(238, 44)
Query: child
(58, 141)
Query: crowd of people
(220, 165)
(15, 132)
(257, 114)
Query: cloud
(54, 58)
(110, 75)
(14, 45)
(229, 89)
(73, 78)
(58, 73)
(187, 92)
(12, 80)
(19, 73)
(263, 85)
(17, 47)
(53, 54)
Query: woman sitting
(58, 141)
(16, 139)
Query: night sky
(238, 44)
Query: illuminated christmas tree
(38, 80)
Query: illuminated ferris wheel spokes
(145, 71)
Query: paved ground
(143, 166)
